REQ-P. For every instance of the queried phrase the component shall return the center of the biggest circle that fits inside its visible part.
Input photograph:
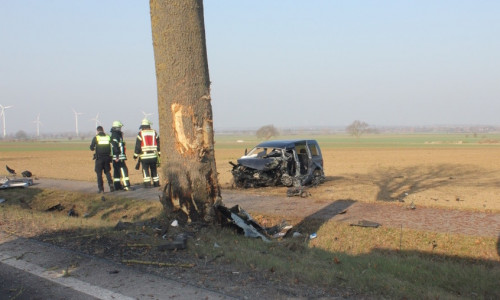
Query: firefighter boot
(111, 188)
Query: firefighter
(147, 148)
(120, 170)
(101, 144)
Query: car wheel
(318, 177)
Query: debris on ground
(179, 243)
(27, 174)
(10, 170)
(412, 206)
(154, 263)
(365, 223)
(240, 220)
(57, 207)
(298, 191)
(72, 212)
(13, 183)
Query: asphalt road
(34, 270)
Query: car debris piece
(10, 170)
(239, 219)
(179, 243)
(72, 212)
(279, 230)
(281, 162)
(2, 200)
(298, 191)
(27, 173)
(365, 223)
(6, 182)
(123, 225)
(57, 207)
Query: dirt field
(460, 180)
(456, 178)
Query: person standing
(101, 144)
(147, 149)
(120, 170)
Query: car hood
(261, 164)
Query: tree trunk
(188, 172)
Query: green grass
(325, 141)
(373, 141)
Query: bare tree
(266, 132)
(188, 171)
(357, 128)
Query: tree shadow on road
(396, 183)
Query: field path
(386, 214)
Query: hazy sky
(287, 63)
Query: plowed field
(454, 177)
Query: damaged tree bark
(188, 174)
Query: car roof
(283, 144)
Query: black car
(282, 162)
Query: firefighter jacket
(147, 144)
(101, 144)
(118, 145)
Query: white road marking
(73, 283)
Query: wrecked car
(281, 162)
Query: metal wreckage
(7, 182)
(291, 163)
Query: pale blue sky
(287, 63)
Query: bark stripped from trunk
(188, 172)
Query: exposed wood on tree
(188, 174)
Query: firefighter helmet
(117, 124)
(145, 122)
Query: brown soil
(442, 190)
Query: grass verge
(381, 262)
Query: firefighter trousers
(120, 175)
(150, 172)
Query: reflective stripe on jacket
(149, 147)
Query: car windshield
(262, 152)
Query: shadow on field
(313, 222)
(498, 244)
(19, 196)
(395, 184)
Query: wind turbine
(96, 119)
(146, 115)
(76, 120)
(3, 108)
(38, 123)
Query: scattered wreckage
(282, 162)
(7, 182)
(240, 220)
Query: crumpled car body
(280, 162)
